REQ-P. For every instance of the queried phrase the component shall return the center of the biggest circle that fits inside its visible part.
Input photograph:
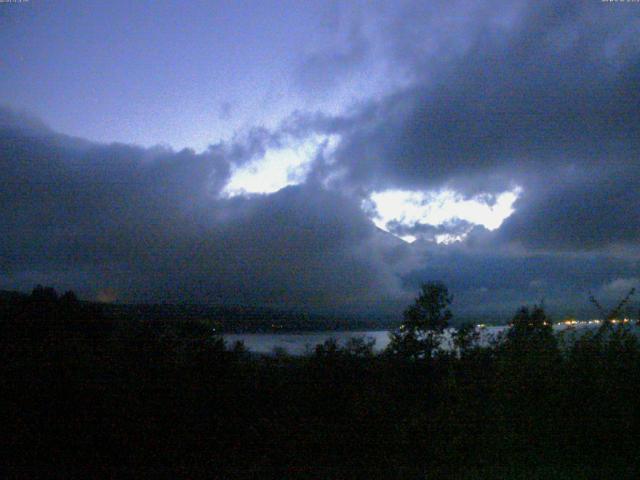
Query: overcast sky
(322, 155)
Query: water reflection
(301, 343)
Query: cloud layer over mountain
(538, 98)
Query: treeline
(89, 392)
(243, 319)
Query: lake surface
(300, 343)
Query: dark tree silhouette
(614, 313)
(44, 294)
(466, 338)
(424, 322)
(528, 325)
(141, 394)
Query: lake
(300, 343)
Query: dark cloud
(589, 208)
(149, 224)
(543, 95)
(494, 282)
(507, 104)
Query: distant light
(409, 208)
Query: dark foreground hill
(244, 319)
(88, 393)
(230, 318)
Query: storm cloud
(540, 99)
(149, 224)
(544, 96)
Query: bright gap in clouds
(411, 208)
(278, 168)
